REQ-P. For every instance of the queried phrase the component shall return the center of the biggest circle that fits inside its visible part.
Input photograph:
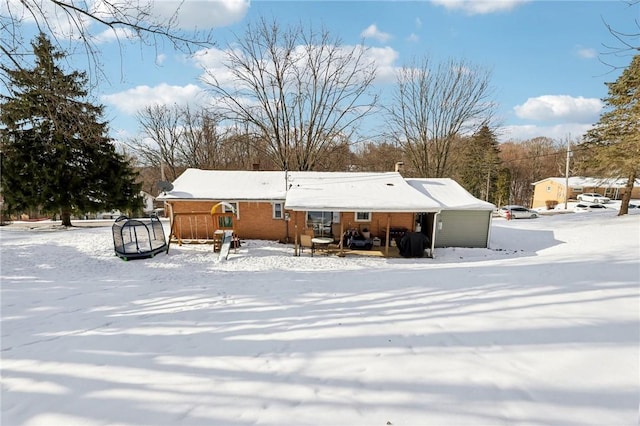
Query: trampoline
(138, 238)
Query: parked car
(589, 207)
(517, 212)
(592, 197)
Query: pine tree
(57, 156)
(480, 165)
(615, 139)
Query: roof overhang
(356, 192)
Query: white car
(592, 197)
(589, 207)
(517, 212)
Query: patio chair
(305, 242)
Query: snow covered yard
(541, 329)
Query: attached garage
(463, 220)
(463, 228)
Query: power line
(559, 153)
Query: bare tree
(432, 105)
(159, 143)
(78, 23)
(530, 161)
(625, 41)
(200, 144)
(377, 157)
(299, 91)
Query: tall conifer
(57, 156)
(614, 141)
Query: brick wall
(256, 221)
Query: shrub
(551, 204)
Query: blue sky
(546, 57)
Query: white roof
(331, 191)
(589, 182)
(232, 185)
(449, 194)
(325, 191)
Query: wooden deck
(374, 252)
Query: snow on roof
(330, 191)
(449, 194)
(196, 184)
(589, 182)
(325, 191)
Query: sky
(539, 329)
(548, 59)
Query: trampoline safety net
(138, 238)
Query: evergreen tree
(480, 164)
(615, 139)
(57, 156)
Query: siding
(541, 195)
(463, 228)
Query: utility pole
(486, 194)
(566, 175)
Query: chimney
(398, 165)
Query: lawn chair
(305, 242)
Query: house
(147, 208)
(554, 189)
(278, 205)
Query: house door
(321, 223)
(425, 222)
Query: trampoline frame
(138, 238)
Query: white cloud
(560, 107)
(585, 52)
(556, 132)
(202, 13)
(161, 58)
(385, 59)
(116, 34)
(480, 7)
(65, 22)
(212, 62)
(413, 38)
(373, 32)
(132, 100)
(49, 17)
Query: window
(363, 217)
(226, 209)
(548, 188)
(278, 211)
(320, 222)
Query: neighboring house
(555, 189)
(276, 205)
(147, 208)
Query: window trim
(273, 211)
(356, 219)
